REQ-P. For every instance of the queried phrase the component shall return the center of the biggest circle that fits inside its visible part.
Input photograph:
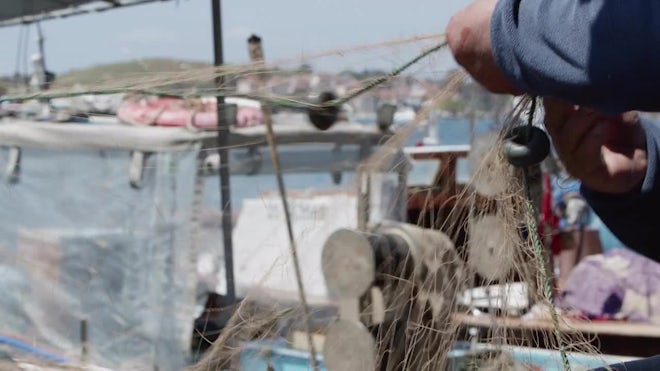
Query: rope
(272, 145)
(274, 101)
(19, 52)
(380, 80)
(26, 40)
(539, 251)
(292, 242)
(358, 48)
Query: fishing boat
(111, 269)
(144, 239)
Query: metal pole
(223, 152)
(472, 124)
(83, 340)
(43, 85)
(257, 56)
(472, 116)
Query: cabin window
(462, 170)
(423, 172)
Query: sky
(182, 29)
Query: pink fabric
(174, 112)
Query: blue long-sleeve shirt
(603, 54)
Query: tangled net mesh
(417, 335)
(487, 225)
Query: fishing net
(366, 275)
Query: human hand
(607, 153)
(468, 35)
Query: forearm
(595, 53)
(633, 217)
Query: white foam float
(489, 173)
(491, 247)
(349, 346)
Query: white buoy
(348, 264)
(349, 346)
(489, 173)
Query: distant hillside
(122, 70)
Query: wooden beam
(624, 329)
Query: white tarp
(78, 243)
(261, 243)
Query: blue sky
(182, 29)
